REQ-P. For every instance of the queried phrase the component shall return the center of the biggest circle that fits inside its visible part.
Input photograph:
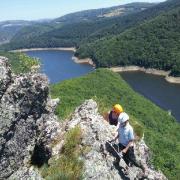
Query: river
(157, 89)
(58, 65)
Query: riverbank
(44, 49)
(168, 78)
(83, 61)
(73, 49)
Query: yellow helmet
(117, 108)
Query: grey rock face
(27, 119)
(99, 162)
(5, 75)
(26, 173)
(28, 128)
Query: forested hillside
(94, 14)
(9, 28)
(153, 44)
(149, 38)
(63, 33)
(87, 27)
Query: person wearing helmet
(126, 138)
(114, 114)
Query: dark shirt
(112, 121)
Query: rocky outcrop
(27, 121)
(5, 75)
(30, 132)
(99, 161)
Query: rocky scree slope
(29, 129)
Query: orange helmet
(117, 108)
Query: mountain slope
(153, 44)
(108, 88)
(9, 28)
(74, 34)
(70, 31)
(120, 24)
(94, 14)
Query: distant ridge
(70, 29)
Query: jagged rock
(99, 163)
(30, 132)
(5, 75)
(27, 120)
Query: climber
(114, 114)
(125, 135)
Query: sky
(43, 9)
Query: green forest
(153, 44)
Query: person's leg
(126, 158)
(126, 170)
(133, 160)
(119, 148)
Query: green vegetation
(153, 44)
(107, 88)
(68, 166)
(20, 63)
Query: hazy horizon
(39, 10)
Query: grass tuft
(68, 166)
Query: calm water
(58, 65)
(157, 89)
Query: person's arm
(127, 147)
(116, 137)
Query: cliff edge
(31, 133)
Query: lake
(58, 65)
(157, 89)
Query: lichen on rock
(26, 118)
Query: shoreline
(73, 49)
(170, 79)
(43, 49)
(83, 61)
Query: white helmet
(123, 117)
